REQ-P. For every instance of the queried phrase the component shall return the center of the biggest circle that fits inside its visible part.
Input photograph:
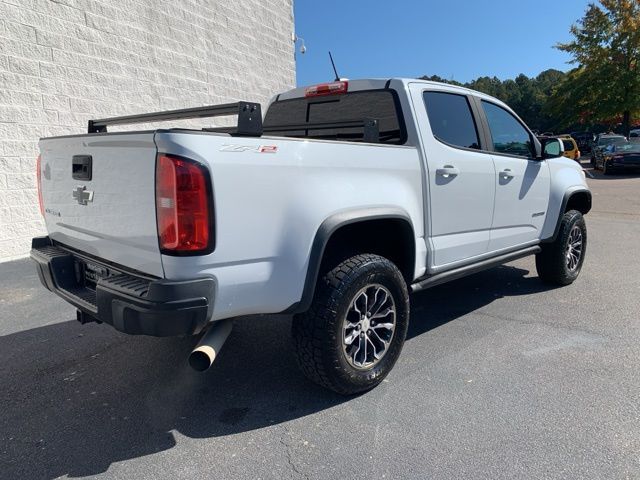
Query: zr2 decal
(249, 148)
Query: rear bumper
(132, 304)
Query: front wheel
(352, 335)
(560, 261)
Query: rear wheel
(352, 335)
(560, 262)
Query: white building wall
(63, 62)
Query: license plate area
(88, 273)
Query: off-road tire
(318, 333)
(551, 262)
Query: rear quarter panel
(269, 206)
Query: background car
(601, 142)
(620, 157)
(570, 147)
(634, 136)
(584, 141)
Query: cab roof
(382, 83)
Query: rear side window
(568, 145)
(378, 105)
(451, 119)
(508, 134)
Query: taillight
(39, 177)
(183, 206)
(333, 88)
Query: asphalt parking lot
(501, 377)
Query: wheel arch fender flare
(324, 233)
(581, 197)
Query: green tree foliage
(605, 85)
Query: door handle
(448, 171)
(507, 173)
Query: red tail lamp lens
(183, 206)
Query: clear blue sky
(460, 39)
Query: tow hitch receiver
(85, 317)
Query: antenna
(334, 67)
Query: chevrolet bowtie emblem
(82, 195)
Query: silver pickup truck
(333, 207)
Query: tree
(605, 84)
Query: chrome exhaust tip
(208, 348)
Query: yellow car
(570, 148)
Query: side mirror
(551, 148)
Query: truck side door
(461, 178)
(522, 182)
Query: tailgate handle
(81, 166)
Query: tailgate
(110, 213)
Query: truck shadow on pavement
(78, 398)
(439, 305)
